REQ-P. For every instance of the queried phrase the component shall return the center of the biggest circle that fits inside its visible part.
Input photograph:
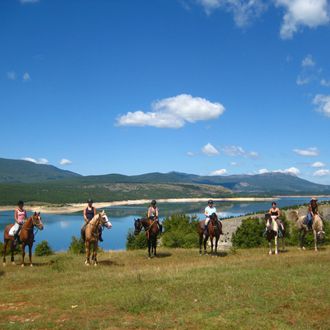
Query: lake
(59, 228)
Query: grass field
(245, 289)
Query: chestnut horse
(152, 230)
(92, 235)
(26, 236)
(214, 230)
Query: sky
(196, 86)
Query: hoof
(87, 264)
(31, 265)
(276, 252)
(13, 263)
(270, 253)
(4, 264)
(22, 265)
(303, 248)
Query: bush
(249, 234)
(136, 242)
(77, 246)
(43, 249)
(180, 231)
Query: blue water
(59, 228)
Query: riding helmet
(153, 202)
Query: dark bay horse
(92, 235)
(26, 236)
(152, 230)
(214, 230)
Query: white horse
(271, 232)
(317, 228)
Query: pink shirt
(21, 215)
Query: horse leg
(270, 247)
(276, 247)
(5, 243)
(204, 242)
(95, 252)
(88, 252)
(216, 245)
(155, 246)
(149, 247)
(211, 238)
(12, 251)
(315, 240)
(23, 254)
(30, 254)
(302, 240)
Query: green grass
(179, 290)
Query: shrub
(136, 242)
(180, 231)
(43, 249)
(77, 246)
(249, 234)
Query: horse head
(268, 221)
(137, 226)
(213, 219)
(36, 220)
(104, 220)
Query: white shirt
(209, 211)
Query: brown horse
(26, 236)
(152, 230)
(214, 230)
(92, 235)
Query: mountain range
(39, 182)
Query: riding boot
(16, 237)
(206, 230)
(160, 228)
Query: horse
(214, 230)
(272, 233)
(92, 235)
(26, 236)
(317, 228)
(152, 230)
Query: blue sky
(197, 86)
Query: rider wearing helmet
(153, 214)
(209, 210)
(312, 211)
(89, 213)
(19, 216)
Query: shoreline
(76, 207)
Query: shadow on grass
(2, 273)
(110, 263)
(163, 254)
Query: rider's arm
(94, 211)
(156, 212)
(206, 212)
(85, 218)
(279, 212)
(149, 213)
(16, 216)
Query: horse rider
(312, 211)
(209, 210)
(20, 216)
(153, 214)
(275, 213)
(89, 213)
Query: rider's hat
(210, 201)
(153, 202)
(90, 201)
(314, 199)
(20, 202)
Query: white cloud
(291, 170)
(302, 80)
(173, 112)
(244, 11)
(65, 161)
(300, 13)
(210, 150)
(239, 151)
(28, 1)
(323, 104)
(308, 61)
(309, 152)
(190, 154)
(233, 163)
(36, 161)
(11, 75)
(219, 172)
(325, 83)
(318, 164)
(322, 172)
(26, 76)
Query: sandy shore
(76, 207)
